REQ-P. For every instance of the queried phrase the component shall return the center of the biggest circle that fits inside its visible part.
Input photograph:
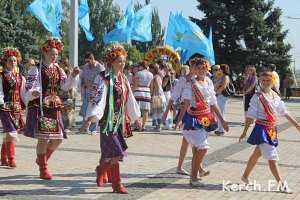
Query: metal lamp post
(74, 34)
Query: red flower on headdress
(52, 43)
(114, 52)
(9, 52)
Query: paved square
(149, 170)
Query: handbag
(157, 102)
(46, 124)
(229, 90)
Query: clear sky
(188, 7)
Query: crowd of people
(118, 98)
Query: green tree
(158, 31)
(103, 16)
(134, 55)
(14, 25)
(20, 29)
(246, 32)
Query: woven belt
(265, 123)
(198, 112)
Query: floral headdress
(201, 61)
(10, 51)
(52, 42)
(114, 52)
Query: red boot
(48, 155)
(109, 175)
(11, 152)
(4, 161)
(101, 172)
(44, 173)
(117, 186)
(105, 177)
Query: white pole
(74, 34)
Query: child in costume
(114, 105)
(12, 88)
(265, 107)
(197, 114)
(44, 119)
(175, 103)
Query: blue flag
(141, 30)
(122, 31)
(49, 13)
(211, 58)
(84, 19)
(133, 26)
(186, 35)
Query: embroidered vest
(119, 96)
(51, 78)
(11, 84)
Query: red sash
(271, 117)
(270, 123)
(202, 111)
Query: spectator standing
(250, 84)
(288, 82)
(141, 92)
(68, 98)
(158, 97)
(221, 82)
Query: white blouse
(256, 109)
(207, 90)
(177, 90)
(33, 82)
(96, 105)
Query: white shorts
(196, 138)
(268, 152)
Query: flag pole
(73, 37)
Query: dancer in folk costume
(12, 87)
(175, 103)
(265, 107)
(44, 119)
(197, 114)
(115, 106)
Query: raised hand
(75, 71)
(36, 93)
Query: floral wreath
(114, 52)
(11, 51)
(164, 51)
(52, 42)
(202, 61)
